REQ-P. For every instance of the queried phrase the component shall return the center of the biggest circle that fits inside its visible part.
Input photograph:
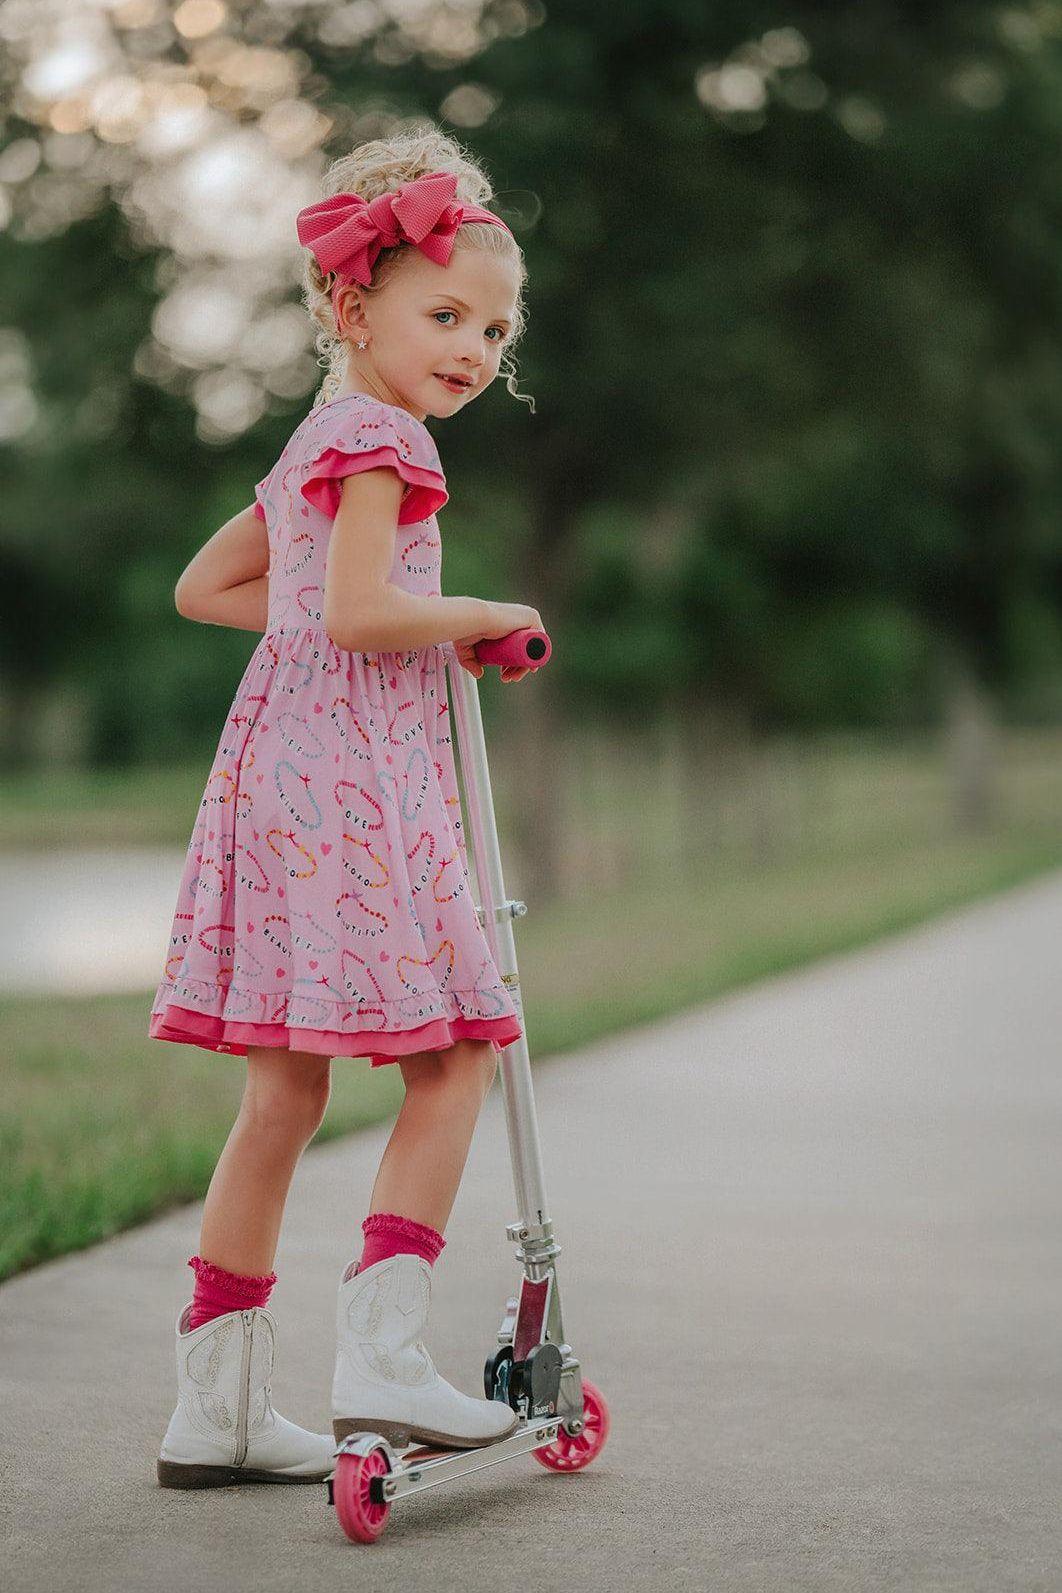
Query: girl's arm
(227, 581)
(363, 609)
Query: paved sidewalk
(812, 1255)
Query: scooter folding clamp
(535, 1240)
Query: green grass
(100, 807)
(101, 1128)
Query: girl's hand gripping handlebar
(528, 648)
(516, 653)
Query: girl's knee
(287, 1092)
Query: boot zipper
(244, 1390)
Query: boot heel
(172, 1474)
(398, 1436)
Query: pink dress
(325, 902)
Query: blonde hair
(381, 166)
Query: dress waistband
(446, 648)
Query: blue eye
(500, 331)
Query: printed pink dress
(325, 903)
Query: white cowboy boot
(385, 1381)
(225, 1428)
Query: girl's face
(429, 322)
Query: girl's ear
(350, 313)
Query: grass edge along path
(72, 1176)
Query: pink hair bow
(347, 232)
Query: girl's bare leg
(283, 1103)
(421, 1168)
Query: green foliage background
(798, 390)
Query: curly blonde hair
(381, 166)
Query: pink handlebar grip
(525, 649)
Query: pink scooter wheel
(568, 1453)
(360, 1517)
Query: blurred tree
(798, 273)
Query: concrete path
(47, 898)
(812, 1255)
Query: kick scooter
(564, 1420)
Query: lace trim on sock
(405, 1228)
(232, 1282)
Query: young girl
(325, 907)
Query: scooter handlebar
(525, 649)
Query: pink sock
(387, 1234)
(217, 1292)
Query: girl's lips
(452, 386)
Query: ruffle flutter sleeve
(260, 489)
(367, 440)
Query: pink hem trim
(187, 1027)
(259, 511)
(427, 492)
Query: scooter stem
(534, 1230)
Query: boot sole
(175, 1474)
(400, 1436)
